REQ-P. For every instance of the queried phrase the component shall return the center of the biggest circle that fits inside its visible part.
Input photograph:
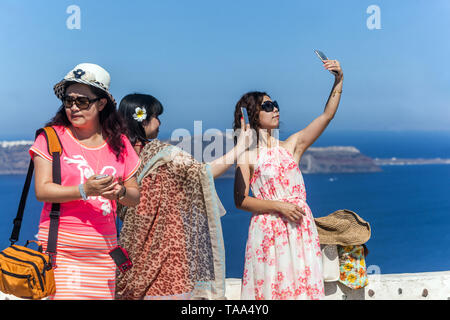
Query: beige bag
(330, 262)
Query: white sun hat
(89, 74)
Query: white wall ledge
(402, 286)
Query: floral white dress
(283, 259)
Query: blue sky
(199, 57)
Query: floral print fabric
(283, 259)
(352, 266)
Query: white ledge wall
(384, 287)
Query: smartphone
(245, 114)
(121, 258)
(321, 55)
(101, 176)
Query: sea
(407, 206)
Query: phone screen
(244, 112)
(321, 55)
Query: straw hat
(86, 73)
(344, 228)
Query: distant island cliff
(335, 159)
(14, 159)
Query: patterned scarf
(174, 236)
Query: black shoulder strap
(55, 149)
(23, 199)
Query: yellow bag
(24, 272)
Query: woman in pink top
(90, 131)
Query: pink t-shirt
(78, 163)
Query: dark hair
(127, 108)
(112, 123)
(252, 102)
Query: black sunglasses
(268, 106)
(82, 103)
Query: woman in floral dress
(283, 257)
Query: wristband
(124, 193)
(336, 91)
(82, 193)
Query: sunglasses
(82, 103)
(268, 106)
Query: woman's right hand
(96, 187)
(244, 141)
(291, 211)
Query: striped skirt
(84, 269)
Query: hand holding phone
(321, 55)
(323, 58)
(101, 176)
(245, 115)
(246, 135)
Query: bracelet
(336, 91)
(124, 193)
(82, 192)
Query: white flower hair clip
(140, 114)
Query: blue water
(10, 192)
(408, 207)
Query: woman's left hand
(246, 136)
(334, 67)
(115, 192)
